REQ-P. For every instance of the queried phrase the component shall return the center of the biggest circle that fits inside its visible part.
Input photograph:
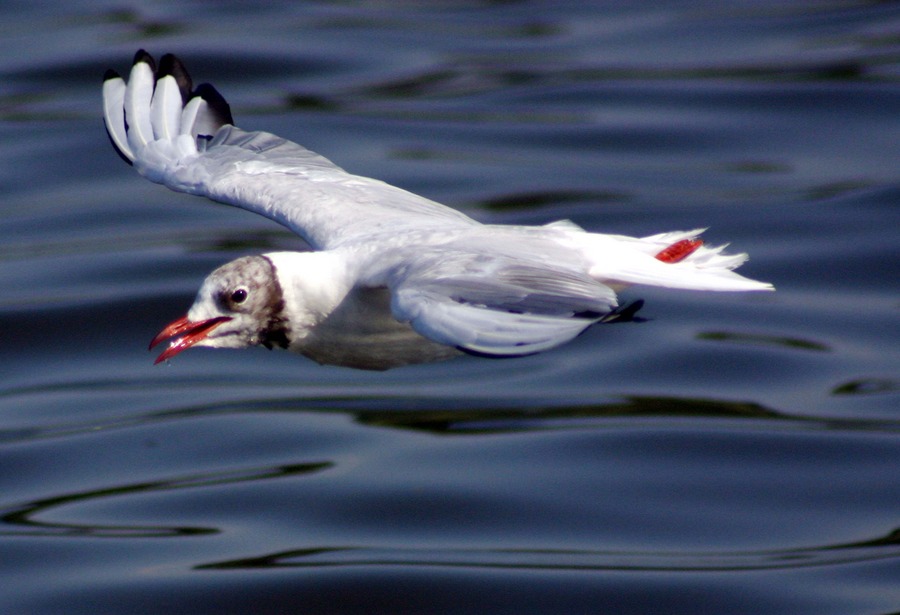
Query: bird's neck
(313, 285)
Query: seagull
(393, 278)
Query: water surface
(733, 454)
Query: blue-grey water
(736, 453)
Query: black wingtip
(217, 103)
(169, 64)
(143, 56)
(110, 74)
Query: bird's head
(240, 304)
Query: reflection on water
(481, 418)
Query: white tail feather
(622, 260)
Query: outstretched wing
(183, 138)
(499, 306)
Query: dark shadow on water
(867, 386)
(488, 420)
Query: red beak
(187, 334)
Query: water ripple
(876, 549)
(26, 517)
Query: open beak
(185, 334)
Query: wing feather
(498, 307)
(482, 330)
(191, 146)
(165, 109)
(138, 97)
(114, 114)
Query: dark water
(735, 454)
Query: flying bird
(393, 278)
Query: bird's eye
(239, 296)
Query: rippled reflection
(26, 518)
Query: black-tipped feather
(143, 56)
(218, 107)
(204, 125)
(109, 75)
(171, 65)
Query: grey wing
(183, 138)
(304, 191)
(502, 307)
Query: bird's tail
(160, 104)
(670, 260)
